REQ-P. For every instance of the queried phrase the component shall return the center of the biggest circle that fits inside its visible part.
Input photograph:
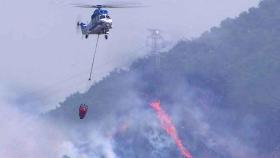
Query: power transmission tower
(155, 42)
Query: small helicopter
(100, 22)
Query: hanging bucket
(83, 110)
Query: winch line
(93, 59)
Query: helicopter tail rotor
(78, 27)
(78, 24)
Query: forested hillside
(221, 91)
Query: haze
(40, 45)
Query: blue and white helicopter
(101, 22)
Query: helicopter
(101, 22)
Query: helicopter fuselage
(100, 24)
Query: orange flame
(169, 128)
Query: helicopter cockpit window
(102, 16)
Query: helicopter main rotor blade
(84, 6)
(122, 6)
(130, 5)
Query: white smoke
(196, 107)
(24, 134)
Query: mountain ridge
(226, 80)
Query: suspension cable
(93, 59)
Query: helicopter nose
(107, 22)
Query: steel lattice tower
(155, 42)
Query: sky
(43, 58)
